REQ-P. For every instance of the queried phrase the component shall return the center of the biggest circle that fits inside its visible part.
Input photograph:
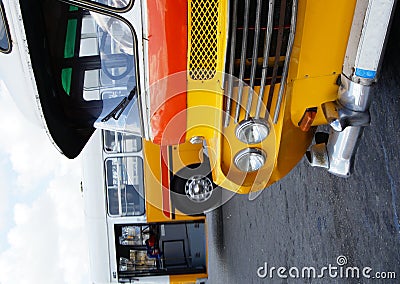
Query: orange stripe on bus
(167, 56)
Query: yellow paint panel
(293, 145)
(186, 154)
(312, 92)
(205, 94)
(204, 112)
(153, 190)
(323, 28)
(186, 279)
(153, 187)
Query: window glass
(125, 192)
(89, 47)
(116, 51)
(99, 56)
(91, 85)
(117, 142)
(5, 43)
(89, 26)
(91, 80)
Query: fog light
(250, 159)
(252, 131)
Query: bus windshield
(83, 62)
(100, 49)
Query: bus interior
(160, 249)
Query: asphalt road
(310, 218)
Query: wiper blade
(119, 109)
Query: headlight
(252, 131)
(250, 159)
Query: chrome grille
(203, 39)
(261, 34)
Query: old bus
(246, 81)
(224, 95)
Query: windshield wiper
(119, 109)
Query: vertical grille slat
(260, 42)
(243, 57)
(228, 102)
(254, 59)
(282, 13)
(286, 65)
(267, 44)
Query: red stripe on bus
(165, 182)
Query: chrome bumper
(347, 117)
(349, 114)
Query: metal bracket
(340, 117)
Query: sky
(42, 233)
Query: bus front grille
(261, 34)
(203, 21)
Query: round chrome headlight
(252, 131)
(250, 159)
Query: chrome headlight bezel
(250, 159)
(252, 131)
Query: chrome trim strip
(242, 59)
(267, 44)
(231, 66)
(277, 54)
(286, 64)
(254, 60)
(101, 6)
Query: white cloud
(30, 151)
(48, 243)
(5, 187)
(46, 240)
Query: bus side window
(125, 188)
(117, 142)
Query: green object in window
(70, 38)
(73, 8)
(66, 77)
